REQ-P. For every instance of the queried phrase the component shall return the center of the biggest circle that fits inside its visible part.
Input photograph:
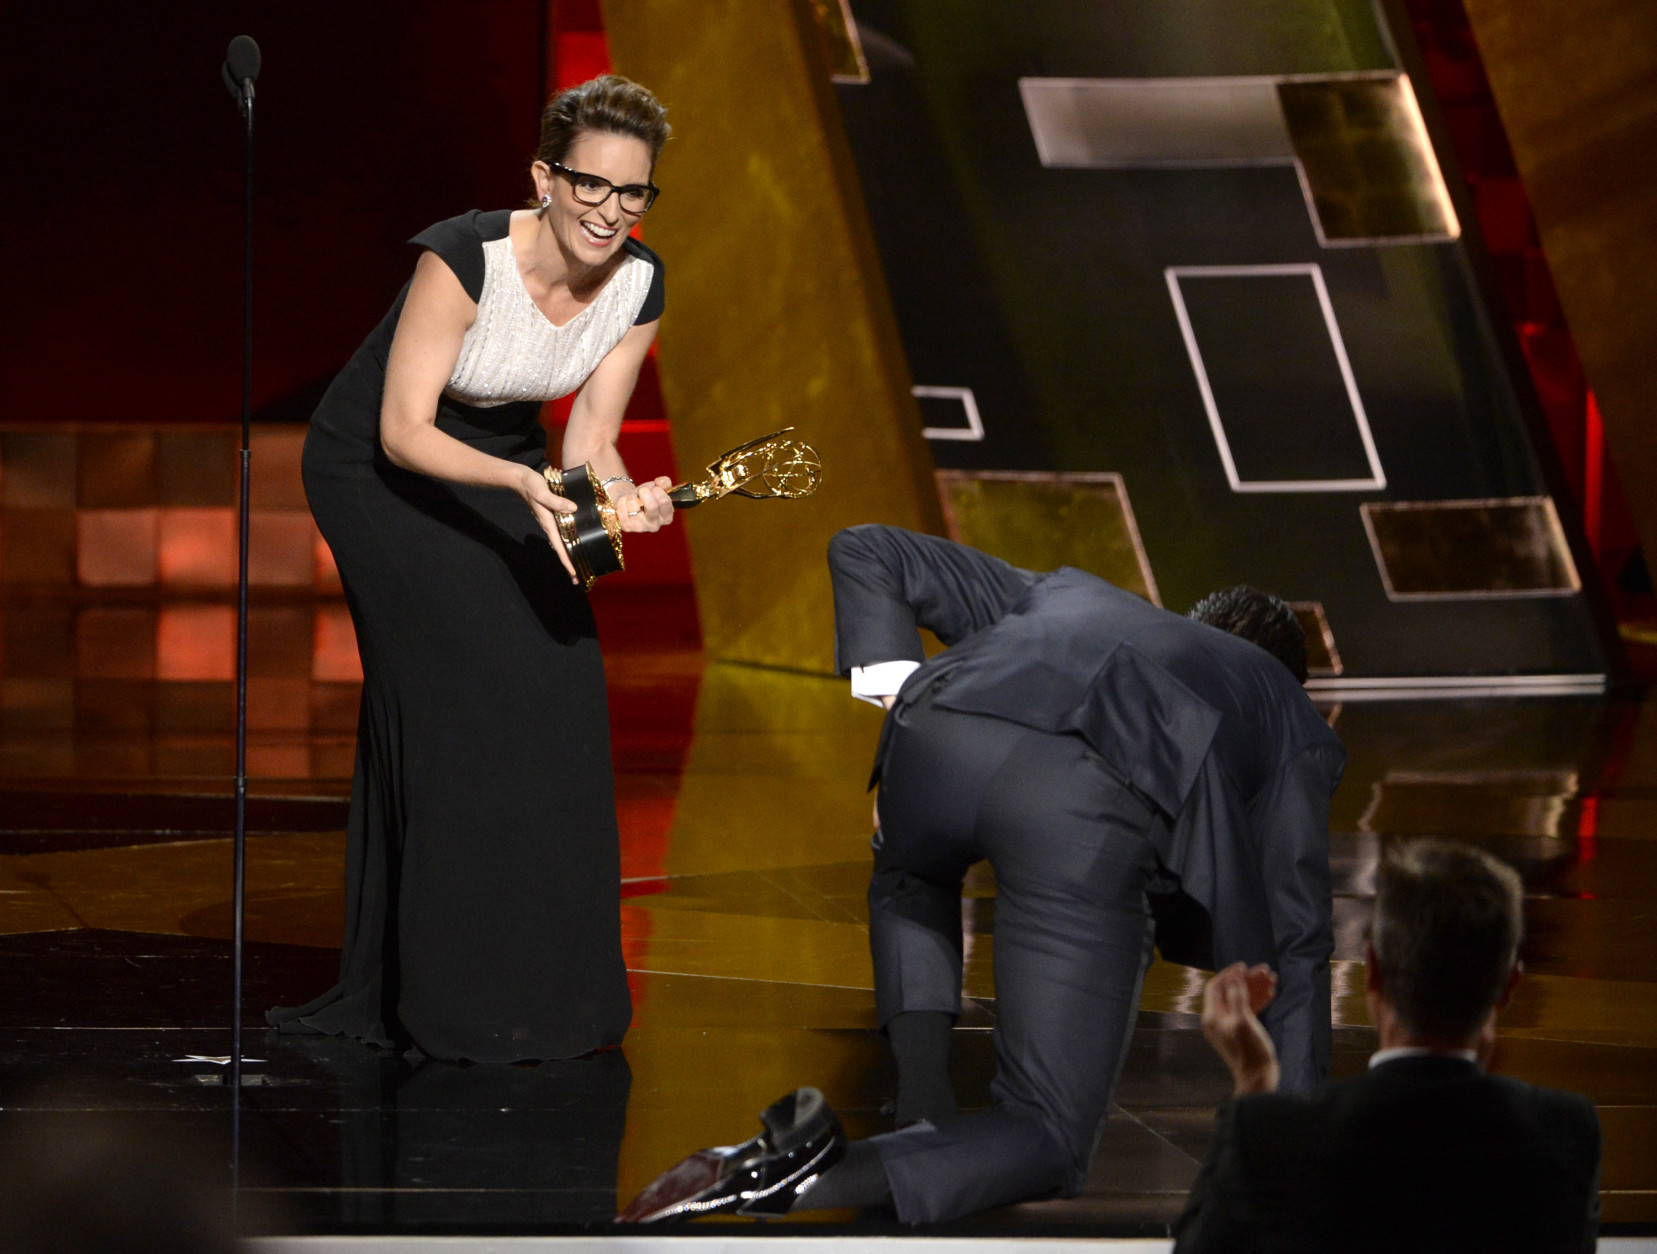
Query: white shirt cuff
(883, 679)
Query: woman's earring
(545, 201)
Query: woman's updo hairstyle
(608, 103)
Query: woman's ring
(633, 513)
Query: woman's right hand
(546, 505)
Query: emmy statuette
(768, 468)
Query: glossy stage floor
(745, 851)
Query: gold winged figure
(770, 467)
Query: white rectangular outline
(1556, 533)
(1378, 479)
(974, 430)
(946, 477)
(861, 78)
(1455, 687)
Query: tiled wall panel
(109, 507)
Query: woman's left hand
(647, 509)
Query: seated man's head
(1444, 945)
(1259, 618)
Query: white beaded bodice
(512, 352)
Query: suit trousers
(1071, 850)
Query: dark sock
(856, 1181)
(920, 1043)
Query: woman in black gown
(483, 869)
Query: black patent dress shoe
(764, 1176)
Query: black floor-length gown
(483, 868)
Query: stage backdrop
(123, 268)
(1191, 296)
(123, 217)
(785, 316)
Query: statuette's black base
(591, 535)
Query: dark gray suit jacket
(1423, 1154)
(1213, 730)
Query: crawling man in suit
(1425, 1151)
(1093, 749)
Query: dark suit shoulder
(1071, 592)
(1279, 1150)
(1439, 1073)
(1284, 1126)
(1512, 1164)
(1558, 1103)
(1566, 1123)
(1260, 1186)
(1247, 685)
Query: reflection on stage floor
(745, 855)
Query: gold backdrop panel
(1573, 82)
(1466, 550)
(777, 774)
(779, 316)
(1323, 659)
(1367, 165)
(1041, 521)
(1473, 803)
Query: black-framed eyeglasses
(592, 190)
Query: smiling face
(590, 234)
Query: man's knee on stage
(1067, 1133)
(960, 1165)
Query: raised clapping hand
(1231, 1005)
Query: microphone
(240, 68)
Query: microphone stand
(239, 899)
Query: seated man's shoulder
(1531, 1153)
(1480, 1161)
(1474, 1104)
(1283, 1128)
(1433, 1081)
(1560, 1100)
(1567, 1121)
(1443, 1080)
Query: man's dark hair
(1259, 618)
(1446, 931)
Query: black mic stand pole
(239, 906)
(240, 69)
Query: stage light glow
(198, 547)
(281, 552)
(115, 547)
(195, 642)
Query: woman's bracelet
(605, 483)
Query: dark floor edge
(722, 1238)
(763, 1244)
